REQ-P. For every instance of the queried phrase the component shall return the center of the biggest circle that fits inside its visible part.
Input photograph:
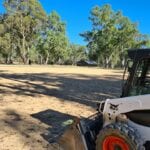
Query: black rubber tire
(121, 130)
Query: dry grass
(35, 101)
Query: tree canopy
(111, 35)
(28, 33)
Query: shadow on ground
(47, 125)
(57, 121)
(80, 88)
(28, 130)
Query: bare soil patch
(36, 101)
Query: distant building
(86, 63)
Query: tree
(75, 53)
(52, 42)
(6, 39)
(27, 17)
(111, 35)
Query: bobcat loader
(122, 123)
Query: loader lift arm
(89, 129)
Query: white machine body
(115, 109)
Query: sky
(76, 12)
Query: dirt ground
(37, 102)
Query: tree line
(28, 34)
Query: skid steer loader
(122, 123)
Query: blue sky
(75, 13)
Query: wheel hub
(115, 143)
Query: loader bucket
(81, 135)
(71, 138)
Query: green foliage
(27, 33)
(24, 19)
(52, 42)
(76, 53)
(111, 35)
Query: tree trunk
(122, 58)
(112, 66)
(27, 55)
(23, 49)
(41, 59)
(6, 60)
(47, 59)
(106, 62)
(27, 61)
(122, 62)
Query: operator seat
(141, 117)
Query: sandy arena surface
(37, 101)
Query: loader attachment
(81, 135)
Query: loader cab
(136, 78)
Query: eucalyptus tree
(53, 42)
(6, 39)
(76, 53)
(27, 17)
(110, 36)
